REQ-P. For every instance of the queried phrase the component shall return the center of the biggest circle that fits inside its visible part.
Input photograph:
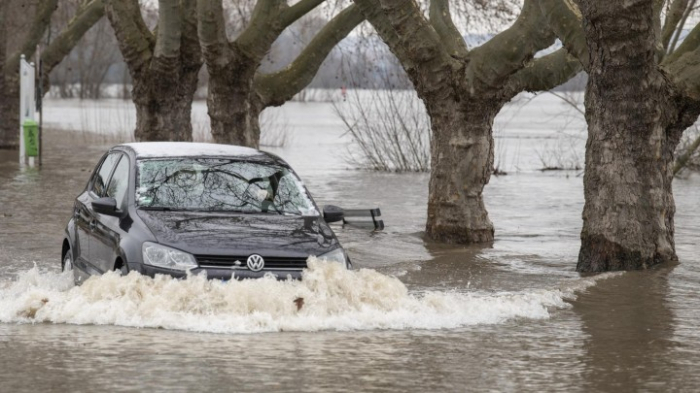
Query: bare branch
(263, 29)
(135, 44)
(441, 19)
(86, 17)
(42, 17)
(376, 17)
(544, 73)
(421, 44)
(674, 15)
(190, 51)
(169, 29)
(513, 48)
(212, 33)
(690, 43)
(685, 73)
(682, 161)
(681, 25)
(290, 14)
(564, 18)
(281, 86)
(168, 37)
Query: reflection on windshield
(220, 185)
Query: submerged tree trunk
(463, 90)
(85, 17)
(461, 165)
(629, 208)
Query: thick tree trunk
(234, 107)
(9, 124)
(9, 114)
(163, 111)
(461, 165)
(628, 214)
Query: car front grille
(229, 262)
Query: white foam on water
(333, 299)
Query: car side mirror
(333, 213)
(106, 206)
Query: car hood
(240, 234)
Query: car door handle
(92, 225)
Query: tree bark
(461, 165)
(9, 127)
(237, 93)
(8, 113)
(164, 111)
(233, 105)
(164, 67)
(463, 92)
(86, 16)
(629, 207)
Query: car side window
(119, 184)
(99, 183)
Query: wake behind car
(173, 207)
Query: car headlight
(337, 255)
(166, 257)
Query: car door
(96, 189)
(107, 231)
(82, 217)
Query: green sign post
(31, 138)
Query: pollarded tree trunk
(462, 161)
(628, 214)
(164, 105)
(85, 17)
(160, 114)
(237, 94)
(463, 90)
(233, 105)
(9, 126)
(164, 66)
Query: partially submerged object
(357, 217)
(228, 211)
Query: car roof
(190, 149)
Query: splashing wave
(328, 298)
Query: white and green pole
(28, 127)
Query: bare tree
(85, 17)
(689, 149)
(389, 128)
(84, 73)
(463, 90)
(163, 65)
(238, 92)
(642, 94)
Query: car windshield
(211, 184)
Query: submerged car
(174, 207)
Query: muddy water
(419, 317)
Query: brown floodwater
(413, 316)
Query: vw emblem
(255, 263)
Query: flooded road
(420, 317)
